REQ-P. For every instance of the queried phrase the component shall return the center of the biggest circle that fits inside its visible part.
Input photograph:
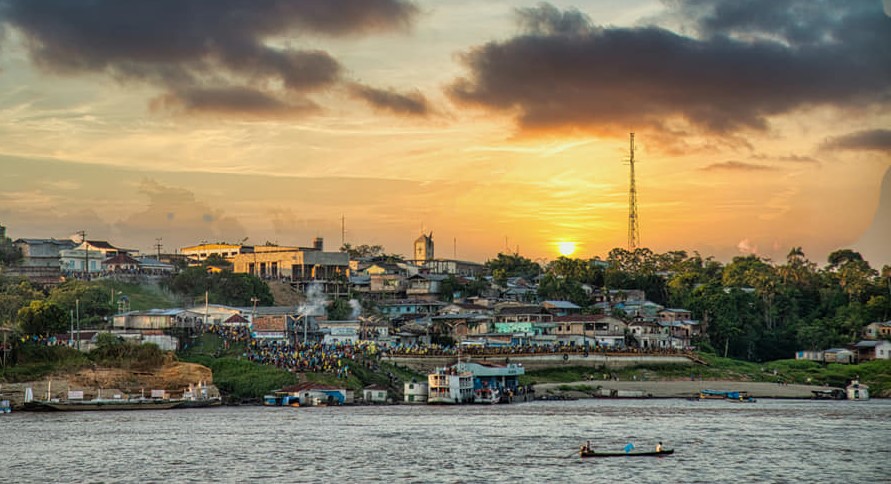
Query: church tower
(424, 247)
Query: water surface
(769, 441)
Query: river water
(768, 441)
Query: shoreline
(679, 388)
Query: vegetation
(223, 287)
(752, 308)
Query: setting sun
(566, 248)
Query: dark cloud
(546, 19)
(412, 103)
(234, 100)
(734, 165)
(867, 140)
(188, 46)
(563, 74)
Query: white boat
(486, 395)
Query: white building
(414, 392)
(448, 385)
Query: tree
(9, 254)
(513, 265)
(93, 303)
(340, 310)
(363, 251)
(43, 318)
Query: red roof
(308, 386)
(121, 259)
(236, 318)
(269, 323)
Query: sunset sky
(760, 125)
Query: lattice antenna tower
(633, 217)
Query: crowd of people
(521, 349)
(318, 357)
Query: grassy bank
(243, 379)
(876, 374)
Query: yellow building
(201, 252)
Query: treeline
(754, 308)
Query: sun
(566, 248)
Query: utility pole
(77, 319)
(342, 230)
(158, 246)
(83, 239)
(633, 218)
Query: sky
(498, 126)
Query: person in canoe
(586, 447)
(659, 447)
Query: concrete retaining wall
(541, 362)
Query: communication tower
(633, 217)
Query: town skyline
(500, 127)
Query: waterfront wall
(423, 363)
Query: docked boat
(99, 404)
(732, 396)
(594, 453)
(450, 386)
(486, 395)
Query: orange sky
(493, 124)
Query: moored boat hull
(584, 453)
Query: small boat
(486, 395)
(652, 453)
(5, 407)
(731, 396)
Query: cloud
(562, 72)
(232, 100)
(867, 140)
(746, 246)
(175, 213)
(739, 166)
(411, 104)
(193, 48)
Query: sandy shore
(687, 388)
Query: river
(767, 441)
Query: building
(199, 253)
(561, 308)
(300, 266)
(868, 350)
(156, 319)
(88, 256)
(424, 248)
(414, 392)
(591, 330)
(409, 306)
(838, 355)
(877, 330)
(448, 385)
(340, 331)
(374, 394)
(120, 263)
(424, 286)
(314, 394)
(455, 267)
(502, 377)
(42, 252)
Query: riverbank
(673, 389)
